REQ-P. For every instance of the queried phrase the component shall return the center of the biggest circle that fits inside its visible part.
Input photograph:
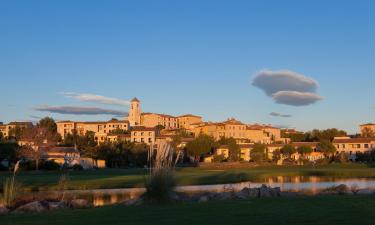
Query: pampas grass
(160, 183)
(10, 188)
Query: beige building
(243, 133)
(154, 119)
(188, 121)
(367, 129)
(135, 112)
(151, 120)
(101, 129)
(5, 129)
(352, 146)
(230, 128)
(140, 134)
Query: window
(366, 145)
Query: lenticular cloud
(287, 87)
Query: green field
(123, 178)
(328, 210)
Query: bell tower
(135, 112)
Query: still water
(308, 185)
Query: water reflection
(306, 184)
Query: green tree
(294, 137)
(139, 154)
(8, 150)
(49, 124)
(200, 145)
(328, 134)
(234, 148)
(304, 149)
(288, 150)
(258, 153)
(368, 133)
(327, 147)
(16, 133)
(119, 131)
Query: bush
(341, 158)
(160, 186)
(77, 167)
(324, 161)
(218, 158)
(27, 165)
(49, 165)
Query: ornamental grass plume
(11, 188)
(160, 183)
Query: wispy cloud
(287, 87)
(276, 114)
(74, 110)
(35, 117)
(96, 98)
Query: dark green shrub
(27, 165)
(77, 167)
(160, 186)
(49, 165)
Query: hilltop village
(151, 128)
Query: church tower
(135, 112)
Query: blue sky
(188, 57)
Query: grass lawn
(327, 210)
(123, 178)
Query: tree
(16, 133)
(294, 137)
(49, 124)
(367, 132)
(200, 145)
(118, 131)
(327, 147)
(304, 149)
(288, 150)
(328, 134)
(234, 148)
(258, 153)
(1, 137)
(139, 154)
(8, 151)
(37, 136)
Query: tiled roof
(353, 140)
(158, 114)
(62, 150)
(21, 123)
(142, 128)
(135, 100)
(190, 115)
(368, 124)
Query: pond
(309, 185)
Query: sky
(300, 64)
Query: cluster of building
(149, 128)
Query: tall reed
(160, 183)
(11, 188)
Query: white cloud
(74, 110)
(296, 98)
(287, 87)
(96, 98)
(283, 80)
